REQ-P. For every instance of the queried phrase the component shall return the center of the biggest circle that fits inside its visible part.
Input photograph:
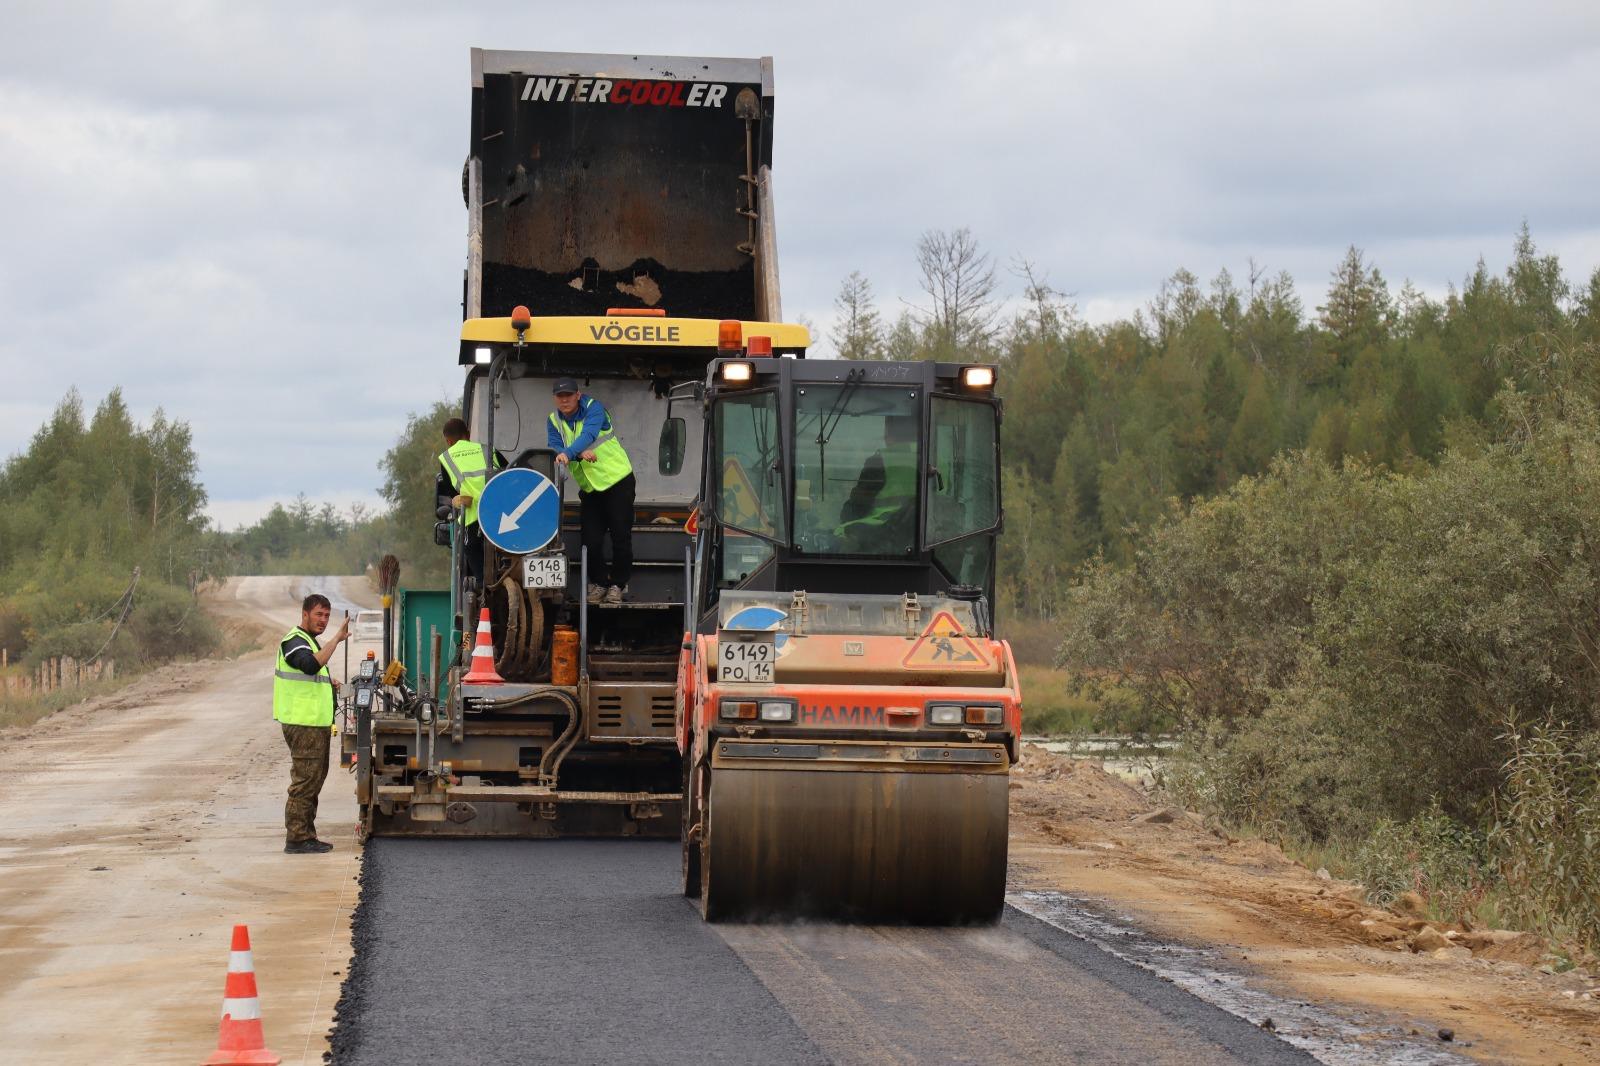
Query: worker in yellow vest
(302, 701)
(879, 516)
(585, 442)
(467, 467)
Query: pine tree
(858, 329)
(1358, 312)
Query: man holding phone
(303, 691)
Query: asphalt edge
(1235, 1035)
(344, 1038)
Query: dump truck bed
(600, 181)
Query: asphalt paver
(585, 952)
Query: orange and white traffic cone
(241, 1038)
(483, 671)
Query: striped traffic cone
(483, 671)
(241, 1039)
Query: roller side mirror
(674, 437)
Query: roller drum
(926, 848)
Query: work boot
(614, 595)
(597, 593)
(307, 847)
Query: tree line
(92, 498)
(1108, 425)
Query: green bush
(166, 623)
(1431, 854)
(1400, 662)
(1546, 837)
(80, 640)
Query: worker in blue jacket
(581, 433)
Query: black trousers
(472, 552)
(609, 511)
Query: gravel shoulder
(140, 826)
(1080, 831)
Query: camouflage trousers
(308, 750)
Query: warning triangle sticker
(741, 506)
(944, 646)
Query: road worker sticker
(944, 646)
(741, 507)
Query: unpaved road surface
(139, 827)
(585, 952)
(1247, 908)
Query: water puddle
(1346, 1037)
(1135, 760)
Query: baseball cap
(565, 385)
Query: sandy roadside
(1077, 830)
(140, 826)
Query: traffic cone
(483, 671)
(241, 1039)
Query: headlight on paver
(945, 714)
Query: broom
(388, 582)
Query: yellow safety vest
(299, 698)
(468, 465)
(610, 464)
(899, 490)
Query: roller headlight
(945, 714)
(777, 711)
(977, 377)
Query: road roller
(847, 718)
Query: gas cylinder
(564, 656)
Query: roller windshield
(855, 469)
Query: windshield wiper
(825, 428)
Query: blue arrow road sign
(520, 511)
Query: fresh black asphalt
(582, 951)
(569, 951)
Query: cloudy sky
(250, 213)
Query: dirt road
(1247, 907)
(139, 827)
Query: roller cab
(849, 720)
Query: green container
(432, 608)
